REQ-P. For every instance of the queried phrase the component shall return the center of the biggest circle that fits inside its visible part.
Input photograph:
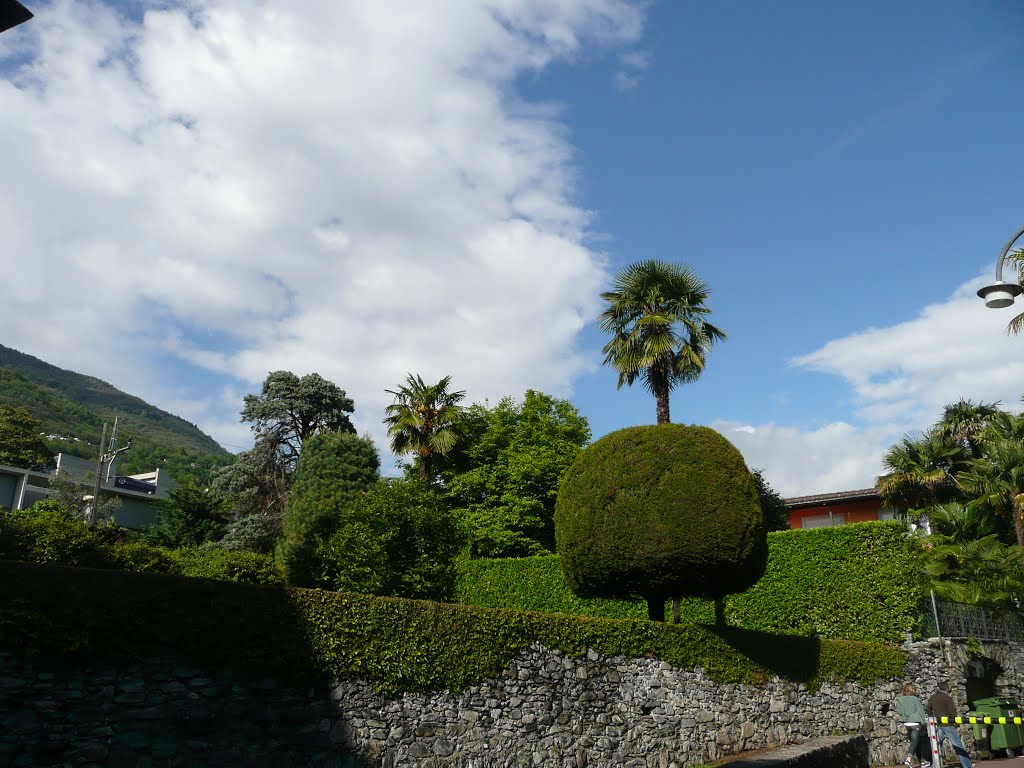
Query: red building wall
(859, 511)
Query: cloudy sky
(196, 193)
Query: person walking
(941, 704)
(910, 708)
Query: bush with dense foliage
(659, 512)
(227, 565)
(188, 517)
(47, 533)
(399, 645)
(396, 539)
(333, 469)
(856, 582)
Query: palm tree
(965, 422)
(996, 482)
(958, 524)
(980, 571)
(423, 420)
(922, 472)
(656, 315)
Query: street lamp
(1000, 294)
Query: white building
(21, 488)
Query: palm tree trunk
(663, 413)
(1018, 525)
(659, 383)
(425, 469)
(675, 610)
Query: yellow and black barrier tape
(980, 720)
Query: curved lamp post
(1000, 294)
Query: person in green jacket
(911, 710)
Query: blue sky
(198, 195)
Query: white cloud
(836, 457)
(905, 373)
(348, 188)
(631, 65)
(901, 377)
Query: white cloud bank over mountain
(348, 188)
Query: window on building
(886, 514)
(823, 521)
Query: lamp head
(1000, 294)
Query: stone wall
(544, 710)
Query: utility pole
(95, 511)
(105, 457)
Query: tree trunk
(1018, 525)
(675, 610)
(425, 469)
(655, 608)
(662, 400)
(719, 611)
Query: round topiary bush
(660, 512)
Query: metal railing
(960, 620)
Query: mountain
(73, 407)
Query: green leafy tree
(503, 476)
(773, 506)
(660, 334)
(334, 469)
(256, 486)
(424, 421)
(290, 410)
(398, 539)
(188, 517)
(658, 512)
(20, 443)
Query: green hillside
(75, 406)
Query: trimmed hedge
(399, 645)
(660, 511)
(856, 582)
(537, 584)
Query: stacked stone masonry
(544, 710)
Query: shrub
(659, 512)
(227, 565)
(333, 469)
(141, 557)
(188, 517)
(46, 533)
(397, 539)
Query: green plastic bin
(989, 738)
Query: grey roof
(836, 497)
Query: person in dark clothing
(941, 705)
